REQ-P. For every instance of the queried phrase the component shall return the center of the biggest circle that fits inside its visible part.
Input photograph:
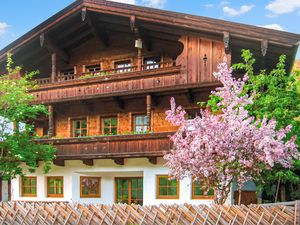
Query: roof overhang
(279, 42)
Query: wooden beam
(132, 22)
(101, 34)
(59, 162)
(53, 48)
(140, 34)
(152, 160)
(50, 121)
(139, 58)
(149, 111)
(88, 162)
(226, 40)
(119, 161)
(53, 67)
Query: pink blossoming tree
(228, 147)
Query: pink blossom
(228, 147)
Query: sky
(18, 16)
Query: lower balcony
(115, 147)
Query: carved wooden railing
(102, 73)
(99, 147)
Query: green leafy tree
(17, 145)
(277, 96)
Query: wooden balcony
(111, 147)
(122, 81)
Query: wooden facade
(99, 59)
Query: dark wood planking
(192, 22)
(161, 17)
(112, 84)
(115, 147)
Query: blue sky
(19, 16)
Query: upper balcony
(104, 83)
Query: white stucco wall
(4, 191)
(107, 170)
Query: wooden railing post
(297, 213)
(50, 121)
(139, 67)
(149, 109)
(53, 67)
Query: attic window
(123, 66)
(93, 68)
(151, 63)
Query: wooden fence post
(297, 213)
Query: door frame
(129, 188)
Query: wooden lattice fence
(29, 213)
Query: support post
(53, 67)
(297, 213)
(149, 109)
(139, 61)
(51, 121)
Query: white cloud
(237, 12)
(155, 3)
(278, 7)
(3, 28)
(133, 2)
(273, 26)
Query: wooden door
(129, 190)
(247, 197)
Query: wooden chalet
(107, 72)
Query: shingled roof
(172, 22)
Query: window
(123, 66)
(151, 63)
(110, 125)
(90, 187)
(140, 123)
(129, 190)
(166, 188)
(55, 187)
(79, 128)
(28, 186)
(93, 68)
(199, 193)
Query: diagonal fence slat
(62, 213)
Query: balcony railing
(104, 73)
(109, 83)
(110, 147)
